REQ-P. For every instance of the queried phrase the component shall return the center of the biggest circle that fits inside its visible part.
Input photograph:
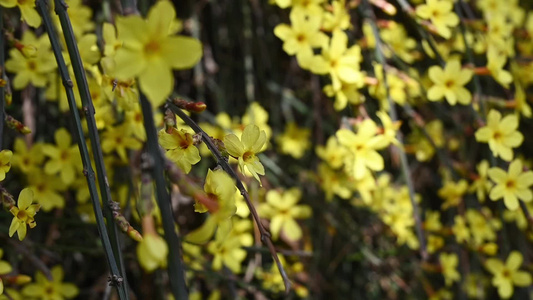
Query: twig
(88, 171)
(265, 235)
(394, 117)
(23, 248)
(88, 108)
(175, 267)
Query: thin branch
(117, 279)
(265, 235)
(88, 108)
(175, 267)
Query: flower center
(32, 65)
(64, 155)
(449, 83)
(510, 184)
(247, 156)
(301, 38)
(22, 215)
(152, 48)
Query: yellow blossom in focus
(179, 147)
(245, 149)
(294, 140)
(154, 51)
(501, 134)
(507, 275)
(512, 185)
(23, 214)
(449, 83)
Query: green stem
(88, 108)
(394, 117)
(265, 235)
(175, 268)
(116, 279)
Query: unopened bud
(134, 234)
(196, 107)
(17, 125)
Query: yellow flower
(481, 184)
(23, 214)
(452, 193)
(302, 36)
(448, 263)
(441, 15)
(332, 153)
(119, 139)
(64, 158)
(496, 61)
(27, 11)
(47, 189)
(363, 148)
(55, 289)
(511, 186)
(282, 211)
(501, 134)
(337, 17)
(5, 163)
(339, 61)
(482, 228)
(460, 230)
(252, 142)
(179, 148)
(506, 275)
(220, 190)
(449, 83)
(154, 52)
(294, 140)
(5, 268)
(227, 252)
(31, 69)
(152, 252)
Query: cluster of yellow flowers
(355, 167)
